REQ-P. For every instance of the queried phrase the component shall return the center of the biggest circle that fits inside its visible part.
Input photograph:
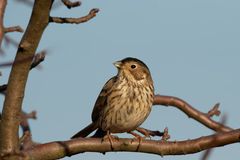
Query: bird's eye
(133, 66)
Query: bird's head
(133, 69)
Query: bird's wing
(101, 101)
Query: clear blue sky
(191, 47)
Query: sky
(190, 46)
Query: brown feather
(101, 101)
(86, 131)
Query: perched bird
(124, 102)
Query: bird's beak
(117, 64)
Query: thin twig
(13, 29)
(26, 141)
(191, 112)
(214, 111)
(70, 4)
(38, 58)
(3, 4)
(86, 18)
(24, 120)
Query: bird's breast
(127, 108)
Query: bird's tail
(85, 131)
(99, 133)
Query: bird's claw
(110, 138)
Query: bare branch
(60, 149)
(3, 4)
(86, 18)
(70, 4)
(26, 141)
(38, 58)
(165, 136)
(24, 120)
(25, 136)
(13, 29)
(9, 126)
(214, 111)
(191, 112)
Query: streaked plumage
(124, 102)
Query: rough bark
(11, 115)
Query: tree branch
(11, 115)
(86, 18)
(214, 111)
(26, 141)
(60, 149)
(13, 29)
(38, 58)
(24, 120)
(201, 117)
(70, 4)
(3, 4)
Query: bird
(124, 102)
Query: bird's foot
(138, 138)
(110, 138)
(144, 132)
(149, 133)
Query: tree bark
(11, 115)
(3, 4)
